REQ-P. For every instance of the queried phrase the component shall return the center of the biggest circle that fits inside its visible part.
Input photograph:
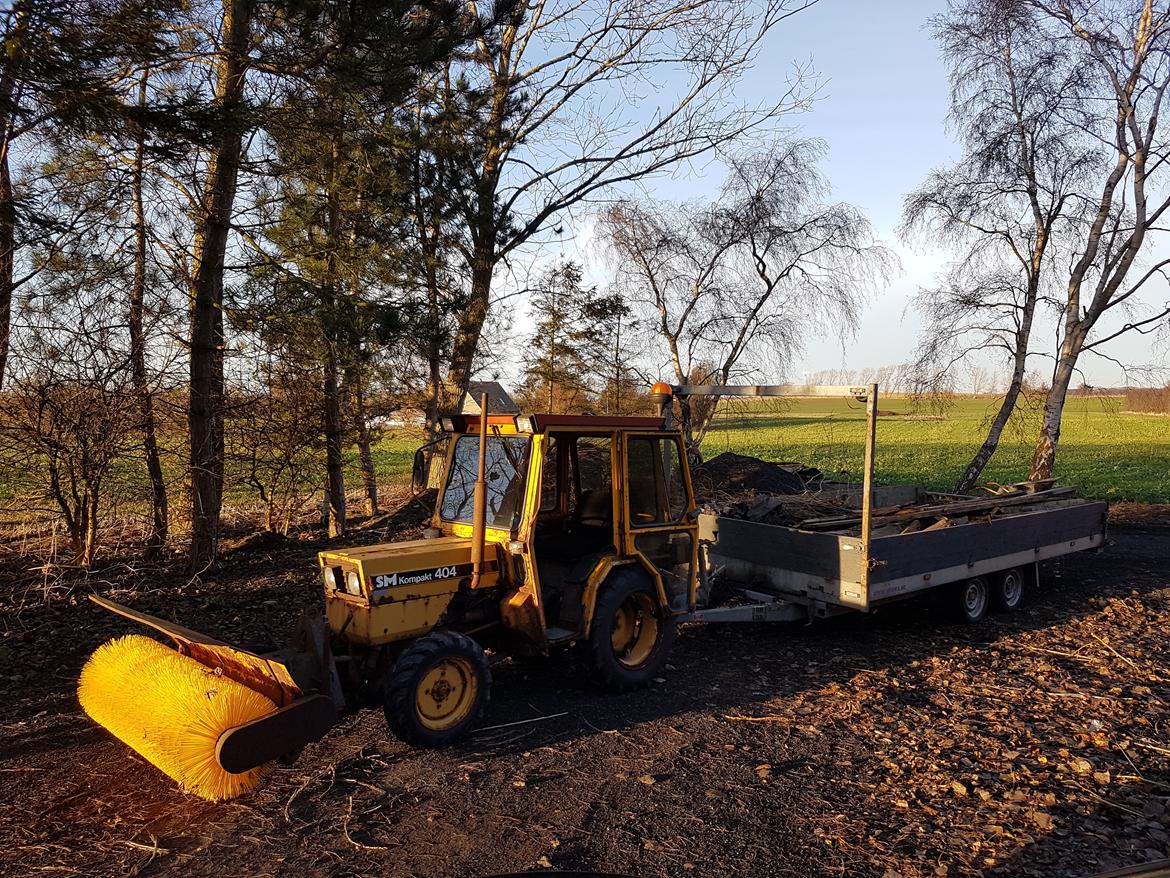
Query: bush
(1148, 400)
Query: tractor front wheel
(437, 689)
(632, 633)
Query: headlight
(352, 583)
(331, 578)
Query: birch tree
(1124, 50)
(1003, 206)
(739, 285)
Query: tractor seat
(595, 509)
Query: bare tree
(274, 436)
(739, 284)
(1122, 52)
(70, 413)
(1003, 205)
(574, 105)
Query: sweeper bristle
(172, 710)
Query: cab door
(659, 524)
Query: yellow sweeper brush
(209, 715)
(172, 710)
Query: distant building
(499, 401)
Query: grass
(1105, 452)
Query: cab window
(657, 489)
(506, 472)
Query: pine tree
(557, 369)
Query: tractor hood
(404, 570)
(394, 591)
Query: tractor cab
(569, 499)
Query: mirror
(418, 473)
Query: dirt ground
(884, 745)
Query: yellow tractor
(548, 530)
(588, 534)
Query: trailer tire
(437, 690)
(971, 599)
(1009, 590)
(631, 635)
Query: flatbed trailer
(794, 573)
(993, 543)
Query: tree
(610, 356)
(230, 61)
(1027, 87)
(336, 73)
(440, 150)
(566, 118)
(70, 414)
(556, 373)
(60, 70)
(157, 537)
(274, 436)
(1122, 50)
(739, 284)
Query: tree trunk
(158, 489)
(13, 64)
(991, 443)
(334, 512)
(1019, 367)
(205, 410)
(7, 256)
(471, 323)
(89, 548)
(365, 453)
(1044, 457)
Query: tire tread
(398, 704)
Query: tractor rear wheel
(437, 689)
(631, 635)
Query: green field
(1105, 452)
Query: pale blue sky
(882, 112)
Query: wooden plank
(962, 507)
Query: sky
(882, 112)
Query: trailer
(986, 550)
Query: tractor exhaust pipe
(479, 501)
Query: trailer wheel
(971, 599)
(1009, 590)
(437, 689)
(631, 635)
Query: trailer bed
(823, 571)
